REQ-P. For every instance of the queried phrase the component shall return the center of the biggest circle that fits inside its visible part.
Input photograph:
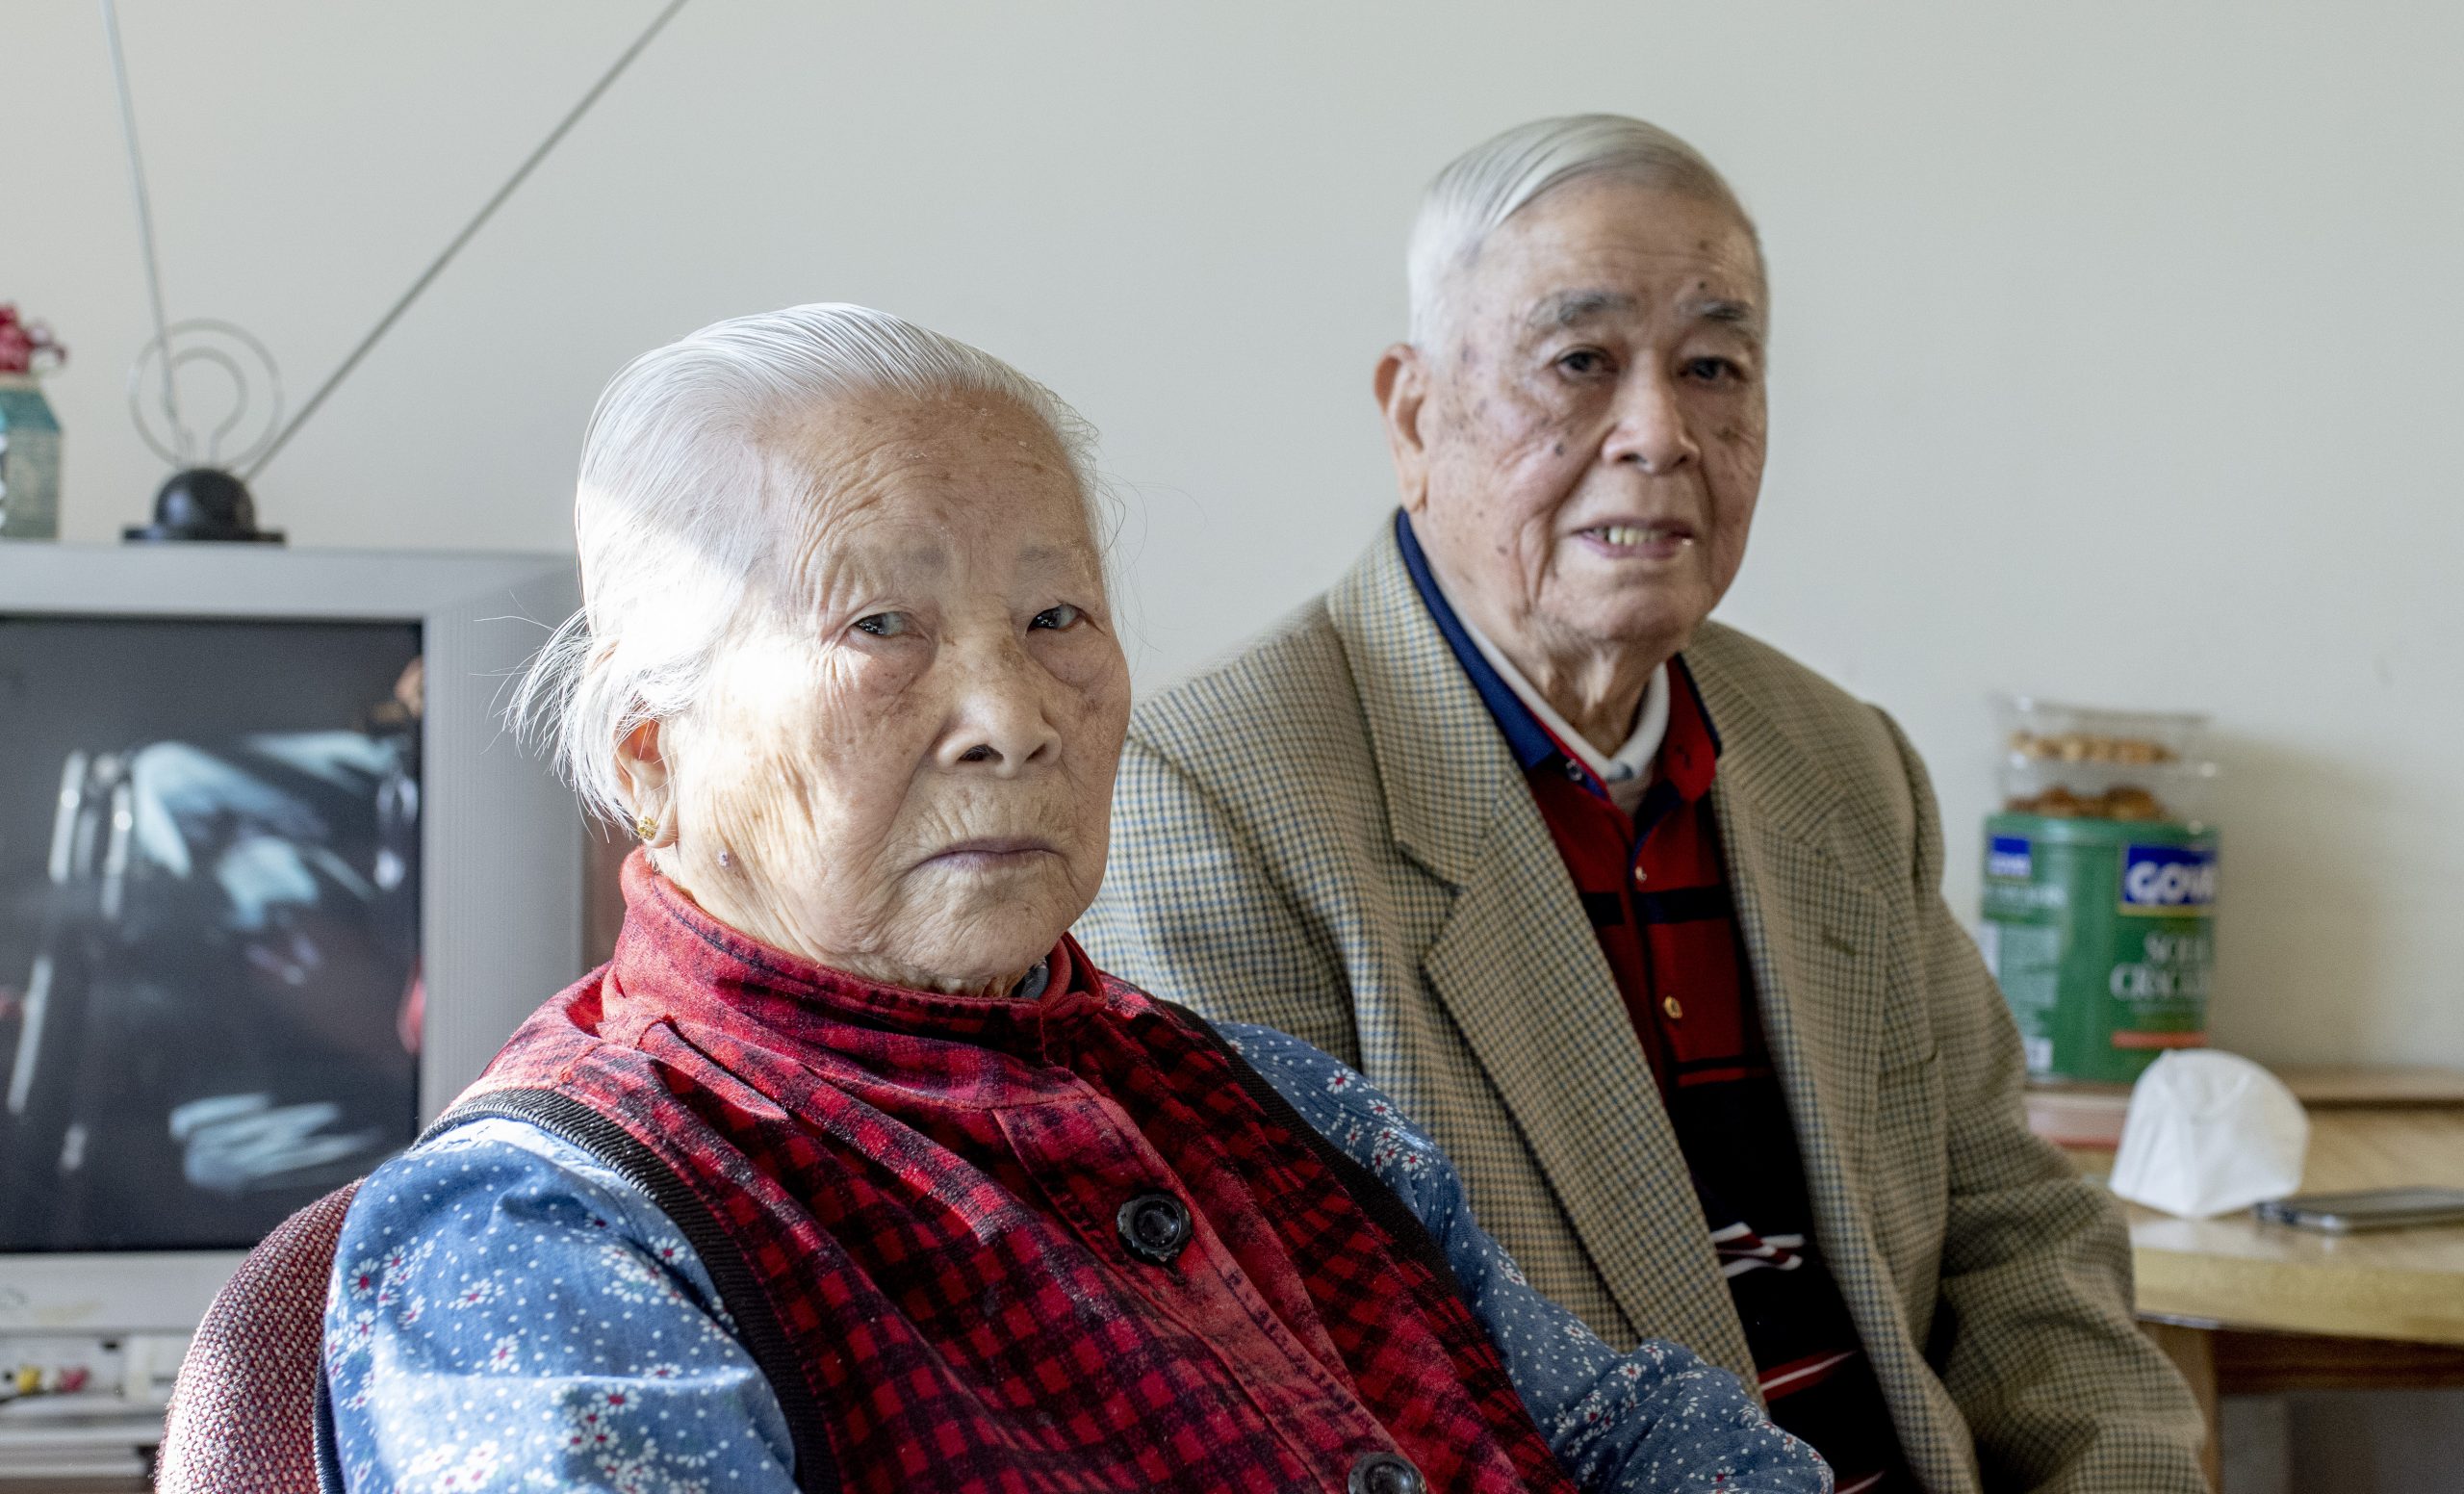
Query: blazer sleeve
(2034, 1333)
(1191, 911)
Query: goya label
(2168, 879)
(2101, 935)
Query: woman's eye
(1057, 617)
(885, 625)
(1584, 361)
(1711, 371)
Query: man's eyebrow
(1571, 308)
(1745, 316)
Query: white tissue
(2209, 1133)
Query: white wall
(2113, 362)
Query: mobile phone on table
(2375, 1208)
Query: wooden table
(2247, 1307)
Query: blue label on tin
(2167, 879)
(2008, 857)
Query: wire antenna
(144, 209)
(394, 314)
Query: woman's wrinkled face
(904, 765)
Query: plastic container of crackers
(2080, 763)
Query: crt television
(276, 882)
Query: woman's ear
(642, 767)
(1402, 386)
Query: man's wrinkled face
(1590, 437)
(907, 753)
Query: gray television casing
(501, 868)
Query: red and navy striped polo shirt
(1655, 889)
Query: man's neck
(1597, 696)
(1597, 688)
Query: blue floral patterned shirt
(508, 1313)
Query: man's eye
(1057, 617)
(885, 625)
(1584, 361)
(1712, 371)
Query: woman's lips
(1642, 541)
(992, 854)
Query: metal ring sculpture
(256, 385)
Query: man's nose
(999, 721)
(1651, 431)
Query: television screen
(210, 985)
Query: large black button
(1156, 1227)
(1385, 1473)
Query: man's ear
(1402, 393)
(642, 768)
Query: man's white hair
(693, 489)
(1490, 183)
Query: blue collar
(1531, 744)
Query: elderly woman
(850, 1171)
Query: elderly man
(1640, 916)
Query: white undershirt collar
(1627, 772)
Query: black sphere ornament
(204, 503)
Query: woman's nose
(1000, 722)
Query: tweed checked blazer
(1328, 835)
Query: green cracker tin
(2102, 935)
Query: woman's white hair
(1490, 183)
(692, 485)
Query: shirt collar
(1627, 771)
(1671, 716)
(1530, 742)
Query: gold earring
(646, 827)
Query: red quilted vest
(1061, 1245)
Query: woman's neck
(740, 902)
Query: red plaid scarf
(924, 1192)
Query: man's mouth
(1660, 539)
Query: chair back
(244, 1413)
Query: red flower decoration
(25, 344)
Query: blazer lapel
(1522, 975)
(1818, 940)
(1809, 925)
(1518, 970)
